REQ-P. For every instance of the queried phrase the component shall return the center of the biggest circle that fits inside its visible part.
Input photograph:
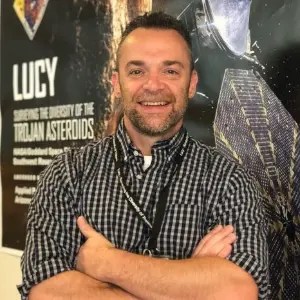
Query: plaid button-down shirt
(206, 190)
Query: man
(105, 218)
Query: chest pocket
(181, 231)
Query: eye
(171, 72)
(135, 72)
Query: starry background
(274, 28)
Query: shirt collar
(170, 145)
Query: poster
(247, 52)
(56, 62)
(53, 94)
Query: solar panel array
(253, 128)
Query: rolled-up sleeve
(52, 239)
(242, 206)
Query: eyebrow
(173, 62)
(140, 63)
(135, 63)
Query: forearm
(197, 278)
(73, 285)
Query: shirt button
(139, 176)
(135, 153)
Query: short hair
(157, 20)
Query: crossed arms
(104, 272)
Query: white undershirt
(147, 162)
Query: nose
(153, 83)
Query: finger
(85, 228)
(221, 249)
(218, 232)
(215, 230)
(216, 242)
(225, 252)
(229, 239)
(213, 237)
(222, 244)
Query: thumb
(85, 228)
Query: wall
(10, 276)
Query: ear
(116, 84)
(193, 84)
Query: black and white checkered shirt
(205, 191)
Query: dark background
(275, 25)
(79, 33)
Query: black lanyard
(163, 196)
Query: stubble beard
(144, 125)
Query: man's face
(154, 80)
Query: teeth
(154, 103)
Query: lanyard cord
(140, 213)
(163, 195)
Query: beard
(149, 125)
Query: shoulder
(73, 161)
(217, 164)
(211, 154)
(199, 148)
(90, 152)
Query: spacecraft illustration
(220, 24)
(253, 128)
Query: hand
(218, 242)
(92, 258)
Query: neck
(145, 142)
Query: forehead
(143, 43)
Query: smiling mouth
(154, 103)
